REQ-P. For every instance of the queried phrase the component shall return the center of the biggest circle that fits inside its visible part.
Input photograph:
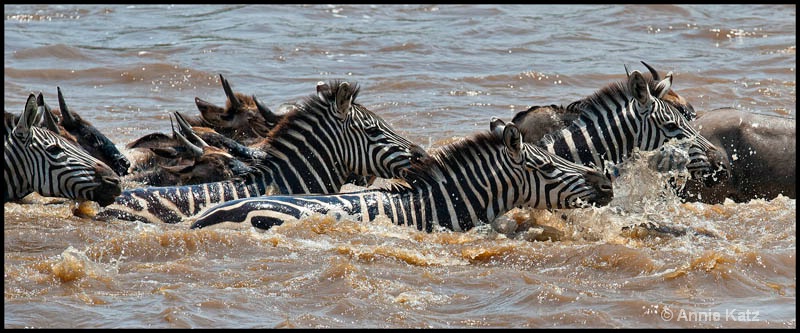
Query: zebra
(623, 116)
(39, 160)
(458, 187)
(313, 149)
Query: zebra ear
(26, 120)
(50, 121)
(639, 88)
(41, 108)
(663, 86)
(512, 138)
(323, 89)
(343, 98)
(496, 126)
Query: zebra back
(38, 160)
(459, 186)
(313, 149)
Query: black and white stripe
(459, 186)
(38, 160)
(312, 150)
(623, 117)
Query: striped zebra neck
(304, 154)
(608, 129)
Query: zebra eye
(548, 167)
(373, 131)
(671, 127)
(54, 149)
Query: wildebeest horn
(627, 72)
(652, 70)
(186, 128)
(196, 151)
(66, 116)
(235, 103)
(265, 112)
(663, 86)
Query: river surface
(436, 73)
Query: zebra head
(373, 148)
(39, 160)
(545, 180)
(662, 122)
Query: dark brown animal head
(244, 118)
(184, 159)
(79, 131)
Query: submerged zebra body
(459, 186)
(313, 149)
(622, 117)
(39, 160)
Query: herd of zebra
(245, 163)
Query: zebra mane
(614, 89)
(429, 168)
(10, 120)
(315, 104)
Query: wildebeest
(760, 151)
(244, 118)
(79, 131)
(184, 159)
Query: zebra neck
(596, 137)
(304, 157)
(457, 198)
